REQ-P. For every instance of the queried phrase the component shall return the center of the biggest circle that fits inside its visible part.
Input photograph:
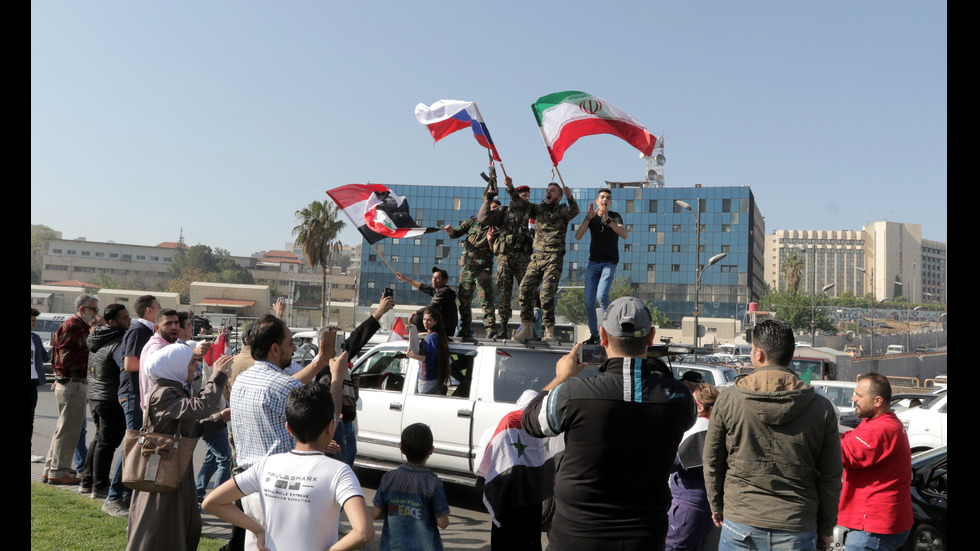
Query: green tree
(794, 309)
(40, 235)
(897, 287)
(317, 232)
(793, 266)
(571, 303)
(104, 281)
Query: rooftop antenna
(655, 162)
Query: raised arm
(589, 215)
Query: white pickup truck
(487, 381)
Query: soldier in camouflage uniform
(477, 271)
(512, 246)
(547, 260)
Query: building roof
(172, 245)
(73, 283)
(280, 257)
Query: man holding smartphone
(443, 298)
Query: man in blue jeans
(606, 228)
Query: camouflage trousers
(510, 271)
(476, 272)
(544, 269)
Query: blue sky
(224, 118)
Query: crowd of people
(649, 461)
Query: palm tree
(793, 266)
(320, 224)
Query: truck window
(383, 371)
(517, 370)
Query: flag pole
(494, 148)
(383, 257)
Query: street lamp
(813, 308)
(908, 324)
(697, 299)
(697, 262)
(873, 306)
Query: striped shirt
(258, 413)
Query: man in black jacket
(622, 428)
(104, 364)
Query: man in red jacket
(876, 502)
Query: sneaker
(100, 495)
(115, 509)
(593, 340)
(37, 458)
(84, 490)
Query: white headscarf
(170, 362)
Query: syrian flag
(448, 115)
(564, 117)
(519, 469)
(398, 331)
(377, 212)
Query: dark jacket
(621, 430)
(445, 300)
(103, 371)
(514, 236)
(40, 356)
(772, 456)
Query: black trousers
(110, 427)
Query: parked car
(926, 425)
(895, 349)
(487, 381)
(840, 393)
(903, 401)
(717, 375)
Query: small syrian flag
(446, 116)
(398, 331)
(564, 117)
(377, 212)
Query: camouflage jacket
(514, 235)
(551, 222)
(476, 238)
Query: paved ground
(469, 524)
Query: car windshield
(806, 367)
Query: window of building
(726, 205)
(573, 265)
(726, 248)
(627, 248)
(651, 248)
(370, 285)
(653, 205)
(701, 248)
(55, 251)
(629, 205)
(725, 228)
(71, 251)
(729, 268)
(416, 260)
(127, 257)
(394, 258)
(372, 258)
(651, 267)
(419, 214)
(99, 255)
(395, 241)
(675, 267)
(652, 228)
(155, 258)
(675, 248)
(677, 228)
(629, 227)
(457, 203)
(113, 255)
(86, 253)
(627, 266)
(574, 246)
(575, 227)
(141, 257)
(417, 241)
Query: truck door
(383, 381)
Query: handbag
(155, 462)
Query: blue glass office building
(658, 258)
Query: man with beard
(167, 332)
(104, 364)
(69, 360)
(876, 501)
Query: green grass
(63, 519)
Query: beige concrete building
(131, 266)
(128, 298)
(870, 260)
(244, 301)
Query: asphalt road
(469, 523)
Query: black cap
(441, 272)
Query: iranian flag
(377, 212)
(564, 117)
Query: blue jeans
(217, 460)
(81, 450)
(861, 541)
(134, 420)
(349, 445)
(736, 536)
(598, 281)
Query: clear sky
(224, 118)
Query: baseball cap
(627, 317)
(442, 272)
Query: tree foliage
(793, 266)
(319, 226)
(216, 268)
(795, 308)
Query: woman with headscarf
(689, 516)
(171, 521)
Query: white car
(716, 375)
(926, 425)
(839, 392)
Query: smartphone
(388, 292)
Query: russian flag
(447, 116)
